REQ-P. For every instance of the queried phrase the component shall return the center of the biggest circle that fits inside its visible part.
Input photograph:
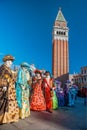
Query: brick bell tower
(60, 54)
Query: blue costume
(72, 94)
(60, 96)
(59, 93)
(22, 90)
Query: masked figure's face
(24, 69)
(38, 76)
(8, 63)
(47, 75)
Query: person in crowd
(71, 94)
(37, 101)
(76, 88)
(84, 92)
(48, 92)
(54, 96)
(65, 89)
(9, 111)
(22, 90)
(59, 93)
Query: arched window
(64, 33)
(61, 33)
(57, 32)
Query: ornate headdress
(25, 64)
(8, 57)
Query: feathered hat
(37, 71)
(8, 57)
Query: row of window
(61, 33)
(84, 71)
(80, 79)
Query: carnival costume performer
(22, 90)
(66, 95)
(59, 93)
(48, 84)
(37, 102)
(72, 94)
(9, 111)
(54, 98)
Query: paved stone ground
(67, 118)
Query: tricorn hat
(8, 57)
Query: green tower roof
(60, 16)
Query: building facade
(60, 53)
(81, 78)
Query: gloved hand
(23, 87)
(4, 88)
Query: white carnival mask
(48, 76)
(8, 63)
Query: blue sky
(26, 31)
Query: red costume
(47, 83)
(37, 102)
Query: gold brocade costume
(9, 111)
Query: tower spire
(59, 8)
(60, 16)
